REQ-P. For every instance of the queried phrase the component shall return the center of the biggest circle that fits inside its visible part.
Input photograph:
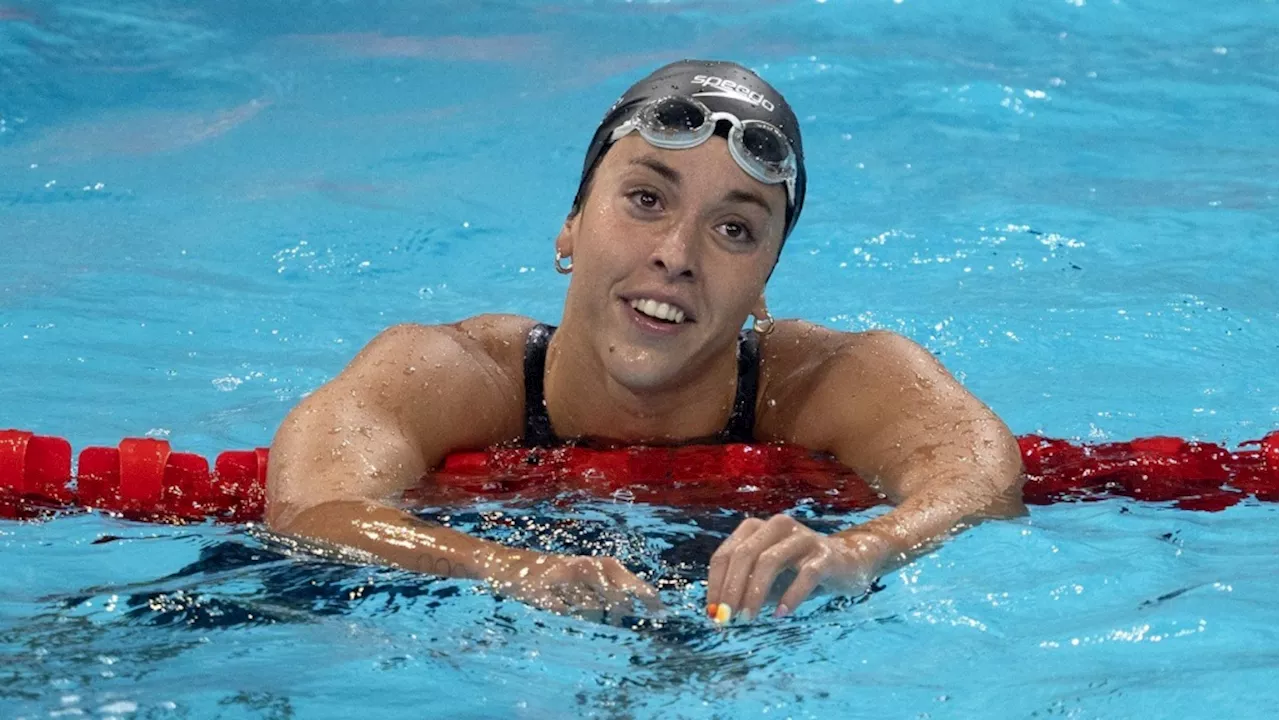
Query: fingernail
(712, 609)
(747, 615)
(782, 611)
(724, 614)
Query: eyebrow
(656, 165)
(746, 196)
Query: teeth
(659, 310)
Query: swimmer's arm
(883, 406)
(348, 452)
(904, 424)
(353, 447)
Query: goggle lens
(764, 144)
(674, 122)
(676, 115)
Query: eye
(645, 199)
(736, 231)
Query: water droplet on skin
(410, 370)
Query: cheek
(739, 287)
(611, 239)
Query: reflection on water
(246, 589)
(138, 613)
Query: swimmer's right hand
(593, 587)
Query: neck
(584, 400)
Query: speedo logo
(732, 90)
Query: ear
(761, 308)
(568, 234)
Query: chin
(640, 369)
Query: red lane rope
(144, 478)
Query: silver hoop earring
(563, 269)
(763, 325)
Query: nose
(676, 251)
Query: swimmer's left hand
(746, 566)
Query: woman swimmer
(690, 187)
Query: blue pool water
(206, 209)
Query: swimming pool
(204, 213)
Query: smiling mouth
(660, 311)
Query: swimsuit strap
(537, 421)
(742, 422)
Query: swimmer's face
(688, 228)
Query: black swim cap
(722, 87)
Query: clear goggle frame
(678, 123)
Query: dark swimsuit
(537, 423)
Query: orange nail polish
(711, 610)
(724, 614)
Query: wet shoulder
(499, 338)
(470, 372)
(800, 360)
(488, 339)
(482, 354)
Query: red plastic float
(33, 466)
(144, 479)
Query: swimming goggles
(678, 123)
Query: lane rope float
(144, 479)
